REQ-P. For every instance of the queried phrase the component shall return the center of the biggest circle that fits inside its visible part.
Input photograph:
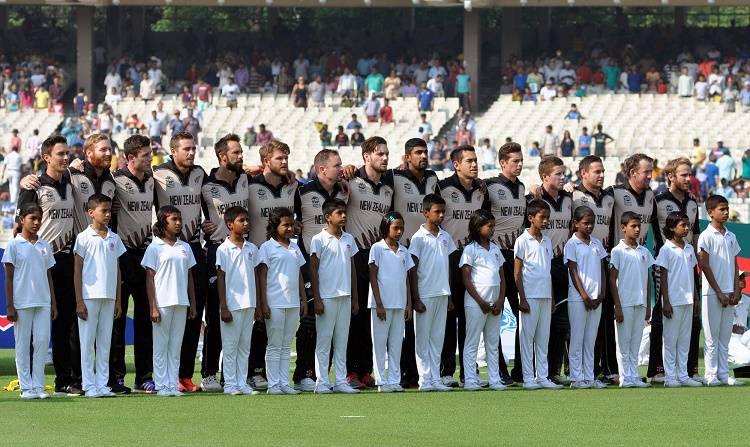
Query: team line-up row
(425, 270)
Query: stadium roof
(469, 4)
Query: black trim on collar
(260, 179)
(184, 178)
(556, 204)
(454, 181)
(639, 198)
(61, 186)
(231, 187)
(597, 199)
(513, 186)
(315, 186)
(667, 195)
(125, 172)
(421, 185)
(361, 173)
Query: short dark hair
(536, 205)
(274, 219)
(634, 160)
(96, 200)
(222, 146)
(50, 142)
(715, 200)
(387, 220)
(179, 136)
(331, 205)
(412, 143)
(549, 163)
(370, 144)
(457, 154)
(627, 216)
(671, 222)
(26, 209)
(506, 149)
(134, 144)
(233, 213)
(431, 199)
(587, 161)
(582, 211)
(479, 219)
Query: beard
(236, 168)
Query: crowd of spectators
(32, 82)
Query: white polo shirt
(722, 251)
(335, 267)
(433, 269)
(171, 263)
(588, 258)
(99, 273)
(632, 266)
(31, 262)
(393, 269)
(485, 267)
(680, 264)
(282, 278)
(537, 262)
(238, 265)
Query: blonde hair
(267, 150)
(93, 139)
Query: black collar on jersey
(315, 185)
(597, 198)
(514, 186)
(454, 181)
(275, 190)
(90, 172)
(125, 172)
(231, 187)
(362, 173)
(61, 186)
(640, 198)
(184, 178)
(667, 195)
(420, 184)
(556, 203)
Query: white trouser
(167, 343)
(583, 328)
(676, 344)
(33, 324)
(478, 324)
(429, 331)
(333, 325)
(628, 335)
(13, 178)
(95, 333)
(387, 337)
(534, 338)
(739, 349)
(235, 344)
(717, 330)
(280, 331)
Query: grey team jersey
(58, 207)
(460, 205)
(308, 207)
(86, 184)
(183, 192)
(666, 203)
(264, 198)
(628, 200)
(218, 197)
(368, 203)
(601, 205)
(408, 193)
(506, 200)
(135, 200)
(560, 215)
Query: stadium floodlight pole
(322, 2)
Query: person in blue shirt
(584, 143)
(573, 113)
(635, 79)
(519, 80)
(425, 99)
(712, 172)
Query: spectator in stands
(463, 88)
(134, 125)
(204, 94)
(489, 155)
(299, 93)
(264, 136)
(301, 67)
(106, 121)
(567, 145)
(745, 97)
(729, 96)
(386, 113)
(699, 154)
(80, 101)
(424, 126)
(147, 88)
(347, 83)
(634, 80)
(584, 143)
(112, 80)
(353, 124)
(463, 136)
(41, 98)
(727, 166)
(612, 75)
(685, 84)
(255, 80)
(436, 86)
(325, 136)
(519, 79)
(392, 85)
(409, 88)
(438, 156)
(230, 91)
(372, 108)
(567, 75)
(471, 124)
(175, 124)
(600, 141)
(341, 139)
(242, 76)
(712, 174)
(573, 113)
(192, 125)
(284, 82)
(653, 77)
(421, 73)
(715, 83)
(357, 137)
(374, 82)
(118, 125)
(155, 128)
(425, 99)
(746, 165)
(700, 89)
(250, 138)
(317, 92)
(549, 143)
(534, 81)
(548, 92)
(725, 189)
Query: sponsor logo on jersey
(170, 182)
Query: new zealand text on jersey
(265, 212)
(139, 205)
(366, 205)
(514, 211)
(225, 206)
(462, 214)
(414, 207)
(61, 213)
(185, 199)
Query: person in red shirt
(203, 92)
(583, 73)
(386, 113)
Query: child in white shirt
(170, 289)
(282, 297)
(482, 272)
(389, 301)
(584, 255)
(334, 286)
(236, 260)
(96, 276)
(631, 293)
(533, 261)
(717, 257)
(30, 299)
(677, 262)
(429, 248)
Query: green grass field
(613, 416)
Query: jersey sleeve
(50, 258)
(602, 251)
(736, 246)
(519, 249)
(221, 258)
(467, 257)
(415, 247)
(704, 244)
(615, 258)
(650, 258)
(374, 257)
(191, 258)
(316, 246)
(120, 246)
(570, 251)
(150, 258)
(300, 258)
(9, 255)
(663, 259)
(79, 248)
(353, 245)
(256, 254)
